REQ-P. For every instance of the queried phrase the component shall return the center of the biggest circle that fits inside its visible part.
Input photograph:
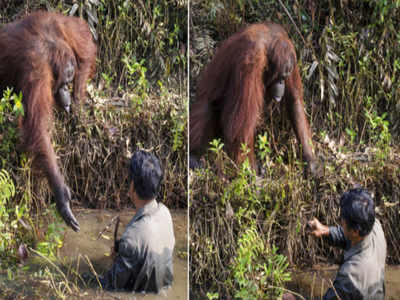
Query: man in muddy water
(143, 258)
(362, 274)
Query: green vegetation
(349, 63)
(257, 269)
(18, 226)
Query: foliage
(179, 119)
(10, 110)
(7, 192)
(17, 226)
(382, 136)
(277, 206)
(53, 236)
(17, 222)
(137, 81)
(257, 269)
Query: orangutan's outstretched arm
(295, 105)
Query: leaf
(73, 9)
(106, 237)
(332, 71)
(312, 69)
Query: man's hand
(317, 229)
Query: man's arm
(118, 276)
(334, 234)
(343, 289)
(121, 271)
(337, 238)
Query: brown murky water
(315, 282)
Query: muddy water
(315, 282)
(85, 243)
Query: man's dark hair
(358, 210)
(146, 173)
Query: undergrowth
(227, 200)
(19, 226)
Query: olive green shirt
(145, 250)
(362, 274)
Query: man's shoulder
(150, 229)
(377, 228)
(160, 214)
(145, 224)
(164, 209)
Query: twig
(116, 230)
(93, 270)
(55, 266)
(108, 226)
(291, 19)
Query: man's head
(145, 174)
(357, 213)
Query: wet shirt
(362, 274)
(144, 257)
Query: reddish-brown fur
(234, 86)
(34, 51)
